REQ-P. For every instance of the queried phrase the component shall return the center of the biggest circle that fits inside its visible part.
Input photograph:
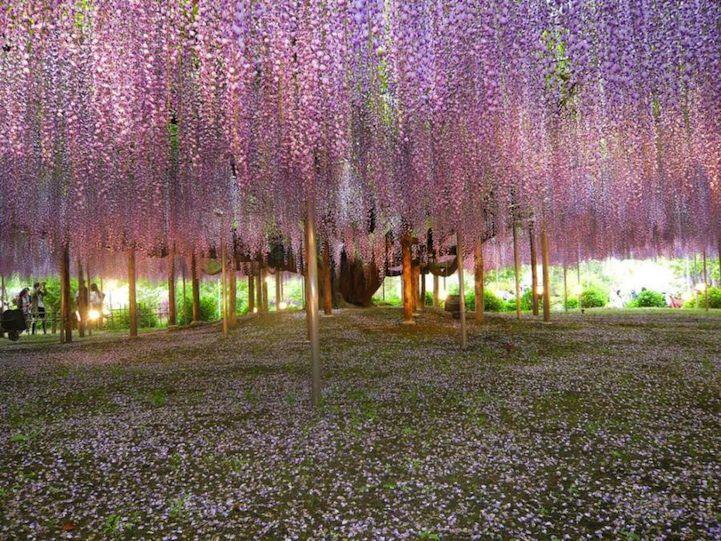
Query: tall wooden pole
(415, 273)
(327, 292)
(312, 302)
(232, 294)
(436, 291)
(82, 295)
(461, 289)
(66, 331)
(705, 280)
(422, 304)
(196, 288)
(132, 300)
(478, 279)
(264, 283)
(517, 269)
(546, 260)
(185, 302)
(407, 280)
(172, 308)
(259, 289)
(224, 288)
(251, 293)
(534, 269)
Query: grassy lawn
(602, 425)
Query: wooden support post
(251, 293)
(534, 268)
(66, 330)
(517, 269)
(416, 273)
(82, 303)
(407, 280)
(578, 280)
(185, 302)
(224, 288)
(705, 281)
(546, 260)
(326, 275)
(422, 304)
(259, 289)
(172, 308)
(264, 283)
(478, 279)
(196, 289)
(461, 289)
(312, 303)
(436, 292)
(232, 295)
(132, 299)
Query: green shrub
(147, 318)
(648, 299)
(594, 297)
(572, 303)
(491, 302)
(208, 309)
(699, 301)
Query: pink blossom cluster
(129, 123)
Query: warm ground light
(604, 424)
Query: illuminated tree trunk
(132, 300)
(196, 289)
(66, 330)
(224, 288)
(436, 291)
(172, 311)
(423, 291)
(478, 279)
(278, 294)
(312, 303)
(534, 269)
(407, 279)
(517, 269)
(546, 274)
(82, 301)
(461, 289)
(251, 293)
(327, 291)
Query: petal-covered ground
(605, 425)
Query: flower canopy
(135, 123)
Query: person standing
(96, 299)
(37, 306)
(22, 301)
